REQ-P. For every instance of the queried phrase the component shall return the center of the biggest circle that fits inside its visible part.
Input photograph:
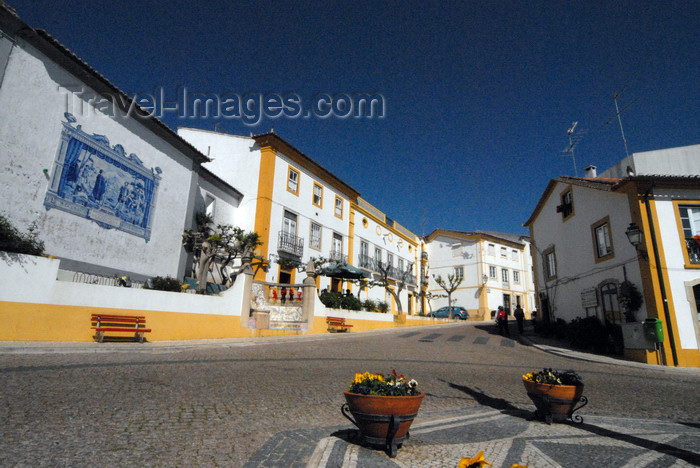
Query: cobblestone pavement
(276, 403)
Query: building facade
(496, 270)
(585, 263)
(108, 188)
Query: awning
(345, 271)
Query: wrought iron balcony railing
(366, 262)
(291, 244)
(338, 257)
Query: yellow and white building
(496, 270)
(582, 231)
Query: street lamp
(636, 236)
(485, 279)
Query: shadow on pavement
(690, 457)
(507, 407)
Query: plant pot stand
(556, 403)
(382, 421)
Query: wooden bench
(135, 324)
(337, 324)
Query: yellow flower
(476, 462)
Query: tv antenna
(619, 120)
(572, 142)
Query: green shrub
(331, 299)
(159, 283)
(587, 333)
(351, 303)
(369, 305)
(383, 307)
(11, 240)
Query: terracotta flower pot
(382, 420)
(555, 402)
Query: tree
(400, 278)
(223, 244)
(449, 286)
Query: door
(611, 304)
(506, 303)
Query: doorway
(506, 303)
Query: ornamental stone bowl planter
(382, 420)
(556, 402)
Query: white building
(109, 188)
(583, 255)
(496, 269)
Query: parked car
(444, 312)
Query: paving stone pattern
(276, 403)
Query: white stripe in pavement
(352, 453)
(322, 453)
(453, 422)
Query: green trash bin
(654, 330)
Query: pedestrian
(520, 317)
(283, 294)
(502, 321)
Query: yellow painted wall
(45, 322)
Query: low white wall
(31, 279)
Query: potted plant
(383, 408)
(555, 394)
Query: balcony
(693, 251)
(291, 244)
(366, 262)
(338, 257)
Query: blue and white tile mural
(100, 182)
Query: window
(377, 255)
(690, 225)
(318, 195)
(514, 255)
(550, 264)
(459, 272)
(338, 207)
(289, 225)
(492, 271)
(567, 204)
(504, 276)
(492, 250)
(293, 181)
(337, 243)
(602, 242)
(504, 252)
(457, 250)
(389, 259)
(516, 277)
(400, 265)
(315, 237)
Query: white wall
(236, 160)
(32, 108)
(682, 161)
(577, 269)
(678, 275)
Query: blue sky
(478, 94)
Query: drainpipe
(662, 285)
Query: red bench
(135, 324)
(337, 324)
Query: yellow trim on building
(263, 208)
(681, 235)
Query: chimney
(590, 172)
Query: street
(277, 402)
